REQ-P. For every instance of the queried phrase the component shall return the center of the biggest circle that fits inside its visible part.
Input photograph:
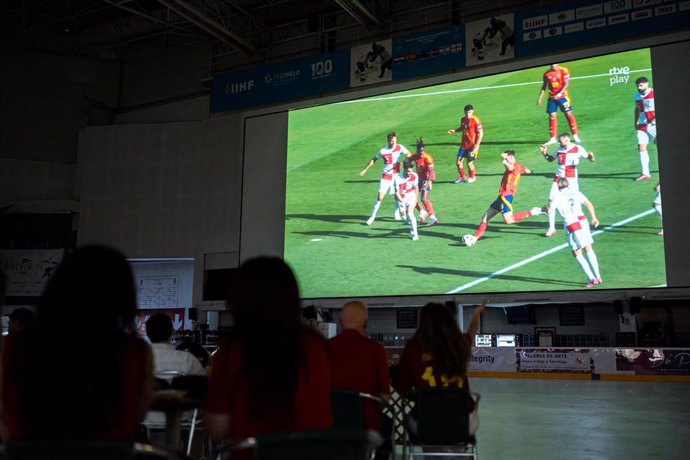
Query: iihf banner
(371, 63)
(579, 24)
(490, 39)
(429, 52)
(283, 81)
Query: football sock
(644, 160)
(572, 122)
(429, 207)
(461, 170)
(480, 231)
(473, 173)
(413, 222)
(522, 215)
(552, 219)
(553, 126)
(585, 266)
(594, 263)
(375, 209)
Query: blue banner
(280, 82)
(580, 24)
(429, 52)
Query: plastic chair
(348, 411)
(334, 444)
(442, 424)
(85, 450)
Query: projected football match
(543, 179)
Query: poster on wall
(428, 52)
(554, 361)
(490, 40)
(28, 270)
(654, 361)
(371, 63)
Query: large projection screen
(316, 153)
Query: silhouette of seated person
(81, 373)
(21, 321)
(436, 356)
(168, 362)
(359, 363)
(159, 329)
(272, 375)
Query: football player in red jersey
(472, 134)
(427, 177)
(557, 81)
(504, 203)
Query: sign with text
(428, 52)
(283, 81)
(549, 360)
(497, 359)
(27, 270)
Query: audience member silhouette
(159, 329)
(81, 373)
(359, 363)
(437, 354)
(273, 374)
(21, 321)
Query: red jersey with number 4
(471, 127)
(511, 179)
(425, 164)
(556, 79)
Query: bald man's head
(354, 316)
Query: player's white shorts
(647, 137)
(578, 235)
(573, 184)
(410, 199)
(386, 186)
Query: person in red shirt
(273, 374)
(427, 176)
(557, 82)
(472, 134)
(80, 373)
(359, 363)
(504, 203)
(436, 355)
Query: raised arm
(545, 153)
(473, 328)
(369, 165)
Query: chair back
(196, 386)
(347, 409)
(443, 415)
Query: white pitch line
(481, 88)
(545, 253)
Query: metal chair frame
(442, 424)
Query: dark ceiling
(238, 32)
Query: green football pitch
(335, 254)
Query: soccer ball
(469, 240)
